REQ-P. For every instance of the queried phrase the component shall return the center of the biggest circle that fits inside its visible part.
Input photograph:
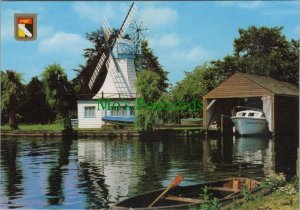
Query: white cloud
(166, 41)
(94, 11)
(63, 43)
(44, 31)
(195, 54)
(158, 17)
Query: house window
(89, 111)
(132, 110)
(119, 112)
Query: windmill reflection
(91, 155)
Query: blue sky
(182, 34)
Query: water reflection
(12, 175)
(55, 195)
(286, 155)
(91, 158)
(94, 173)
(254, 150)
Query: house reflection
(107, 169)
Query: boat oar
(174, 183)
(232, 194)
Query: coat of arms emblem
(25, 27)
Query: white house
(118, 90)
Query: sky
(182, 35)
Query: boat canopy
(119, 119)
(250, 114)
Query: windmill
(107, 59)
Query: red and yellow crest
(25, 27)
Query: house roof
(246, 85)
(275, 86)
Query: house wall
(268, 109)
(84, 122)
(96, 122)
(286, 115)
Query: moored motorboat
(188, 197)
(250, 122)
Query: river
(95, 173)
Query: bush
(273, 180)
(209, 203)
(288, 189)
(247, 194)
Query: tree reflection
(152, 161)
(55, 179)
(11, 168)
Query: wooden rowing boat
(188, 197)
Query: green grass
(276, 200)
(35, 127)
(183, 128)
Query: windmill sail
(111, 40)
(128, 20)
(107, 31)
(97, 70)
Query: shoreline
(199, 132)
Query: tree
(147, 87)
(151, 63)
(195, 84)
(60, 95)
(10, 95)
(34, 106)
(266, 51)
(262, 51)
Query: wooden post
(222, 124)
(297, 163)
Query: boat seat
(225, 189)
(182, 199)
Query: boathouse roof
(246, 85)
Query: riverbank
(276, 200)
(56, 130)
(280, 194)
(36, 127)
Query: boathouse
(279, 101)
